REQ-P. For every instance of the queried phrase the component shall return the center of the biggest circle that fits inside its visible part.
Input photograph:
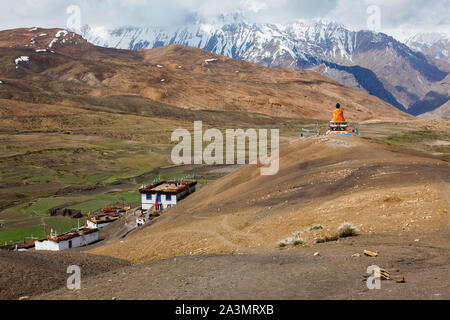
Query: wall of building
(46, 245)
(171, 202)
(148, 204)
(49, 245)
(92, 225)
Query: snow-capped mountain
(423, 41)
(298, 43)
(435, 46)
(369, 61)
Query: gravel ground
(297, 273)
(32, 273)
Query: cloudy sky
(397, 17)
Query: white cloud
(397, 16)
(255, 5)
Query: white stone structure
(70, 240)
(96, 225)
(143, 218)
(102, 220)
(165, 194)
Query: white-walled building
(69, 240)
(165, 194)
(108, 216)
(96, 224)
(102, 220)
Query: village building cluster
(155, 198)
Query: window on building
(149, 197)
(168, 197)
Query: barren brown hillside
(199, 80)
(326, 181)
(57, 41)
(61, 65)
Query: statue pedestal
(338, 128)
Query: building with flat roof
(69, 240)
(106, 217)
(162, 195)
(101, 220)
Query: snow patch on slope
(22, 59)
(57, 36)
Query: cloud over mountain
(397, 16)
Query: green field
(131, 197)
(43, 205)
(22, 234)
(422, 139)
(63, 224)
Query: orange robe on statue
(338, 116)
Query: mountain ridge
(298, 45)
(176, 75)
